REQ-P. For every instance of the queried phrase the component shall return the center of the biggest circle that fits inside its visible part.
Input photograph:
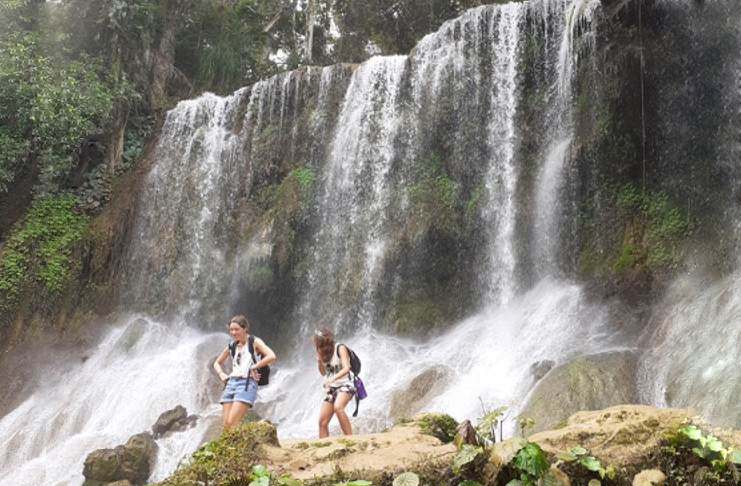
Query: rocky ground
(622, 445)
(624, 436)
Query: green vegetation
(578, 455)
(39, 248)
(433, 199)
(691, 448)
(653, 229)
(441, 426)
(643, 229)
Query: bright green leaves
(532, 461)
(39, 250)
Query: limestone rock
(420, 390)
(585, 383)
(172, 421)
(131, 462)
(649, 477)
(623, 434)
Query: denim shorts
(239, 390)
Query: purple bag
(360, 388)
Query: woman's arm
(345, 361)
(320, 362)
(268, 356)
(217, 364)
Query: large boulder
(623, 435)
(131, 462)
(419, 391)
(585, 383)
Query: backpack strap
(352, 377)
(251, 347)
(233, 348)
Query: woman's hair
(242, 321)
(324, 342)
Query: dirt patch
(395, 450)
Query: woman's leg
(339, 410)
(235, 413)
(325, 415)
(225, 408)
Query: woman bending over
(333, 360)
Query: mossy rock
(585, 383)
(441, 426)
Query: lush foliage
(645, 229)
(700, 449)
(49, 106)
(40, 247)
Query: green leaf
(590, 463)
(359, 482)
(406, 479)
(259, 470)
(578, 451)
(531, 459)
(467, 454)
(734, 456)
(692, 432)
(260, 481)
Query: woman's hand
(254, 374)
(223, 376)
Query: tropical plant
(579, 455)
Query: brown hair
(242, 321)
(324, 342)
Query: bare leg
(325, 415)
(339, 410)
(234, 414)
(225, 408)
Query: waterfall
(691, 360)
(139, 370)
(355, 194)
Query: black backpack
(355, 370)
(264, 371)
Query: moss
(442, 426)
(413, 311)
(227, 459)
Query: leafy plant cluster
(654, 227)
(40, 247)
(48, 106)
(693, 448)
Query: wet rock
(421, 389)
(131, 462)
(540, 368)
(585, 383)
(173, 420)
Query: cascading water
(692, 350)
(188, 257)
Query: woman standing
(240, 389)
(334, 364)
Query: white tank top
(333, 367)
(241, 362)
